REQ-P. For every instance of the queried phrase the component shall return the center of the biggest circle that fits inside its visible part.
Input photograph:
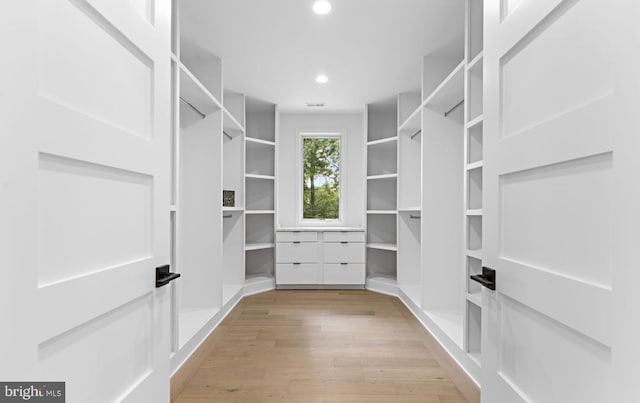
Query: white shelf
(475, 253)
(474, 212)
(191, 321)
(259, 283)
(256, 176)
(233, 209)
(386, 212)
(382, 283)
(474, 165)
(258, 279)
(387, 140)
(230, 124)
(449, 93)
(385, 176)
(260, 141)
(250, 212)
(383, 246)
(476, 62)
(259, 246)
(412, 209)
(475, 121)
(412, 123)
(475, 298)
(450, 323)
(196, 94)
(173, 207)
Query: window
(321, 165)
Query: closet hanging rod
(454, 108)
(415, 217)
(202, 115)
(416, 133)
(227, 216)
(227, 134)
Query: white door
(561, 195)
(84, 154)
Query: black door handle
(164, 276)
(487, 278)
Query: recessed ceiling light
(322, 79)
(322, 7)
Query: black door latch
(164, 276)
(487, 278)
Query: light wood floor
(320, 346)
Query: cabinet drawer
(297, 252)
(340, 236)
(303, 273)
(344, 252)
(349, 273)
(301, 236)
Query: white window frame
(299, 189)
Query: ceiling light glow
(322, 79)
(321, 7)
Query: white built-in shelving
(409, 226)
(381, 201)
(207, 156)
(473, 173)
(439, 194)
(233, 156)
(260, 178)
(197, 147)
(443, 297)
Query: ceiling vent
(315, 105)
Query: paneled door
(561, 87)
(84, 166)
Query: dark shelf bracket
(164, 276)
(487, 278)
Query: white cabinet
(344, 273)
(343, 252)
(341, 236)
(297, 252)
(292, 236)
(324, 257)
(297, 273)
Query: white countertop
(320, 229)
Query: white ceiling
(369, 49)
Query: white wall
(353, 176)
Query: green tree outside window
(321, 178)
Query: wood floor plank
(319, 346)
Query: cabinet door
(296, 273)
(344, 273)
(343, 252)
(298, 236)
(342, 236)
(297, 252)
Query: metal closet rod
(416, 133)
(227, 216)
(202, 115)
(452, 109)
(415, 217)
